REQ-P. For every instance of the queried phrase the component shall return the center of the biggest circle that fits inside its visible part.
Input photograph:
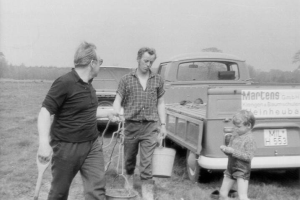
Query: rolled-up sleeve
(55, 97)
(122, 87)
(161, 90)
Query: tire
(192, 166)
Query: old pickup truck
(204, 90)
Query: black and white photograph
(149, 100)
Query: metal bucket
(119, 194)
(162, 162)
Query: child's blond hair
(244, 116)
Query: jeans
(143, 134)
(68, 159)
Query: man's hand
(44, 152)
(114, 116)
(161, 135)
(163, 131)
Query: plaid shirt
(140, 104)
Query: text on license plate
(275, 137)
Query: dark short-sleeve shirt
(74, 105)
(140, 104)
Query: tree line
(22, 72)
(274, 75)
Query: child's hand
(229, 150)
(226, 150)
(223, 147)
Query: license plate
(275, 137)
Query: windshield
(108, 77)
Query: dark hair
(143, 50)
(244, 116)
(85, 53)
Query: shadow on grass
(281, 178)
(284, 178)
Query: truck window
(162, 69)
(205, 71)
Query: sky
(266, 33)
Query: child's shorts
(238, 169)
(237, 174)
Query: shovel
(41, 169)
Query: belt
(138, 121)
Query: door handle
(227, 120)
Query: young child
(240, 151)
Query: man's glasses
(100, 61)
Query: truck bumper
(278, 162)
(104, 120)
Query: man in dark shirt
(141, 94)
(72, 137)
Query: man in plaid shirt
(140, 93)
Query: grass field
(20, 103)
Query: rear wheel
(193, 168)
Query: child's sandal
(216, 194)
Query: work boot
(148, 190)
(128, 185)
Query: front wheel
(193, 168)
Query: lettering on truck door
(272, 103)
